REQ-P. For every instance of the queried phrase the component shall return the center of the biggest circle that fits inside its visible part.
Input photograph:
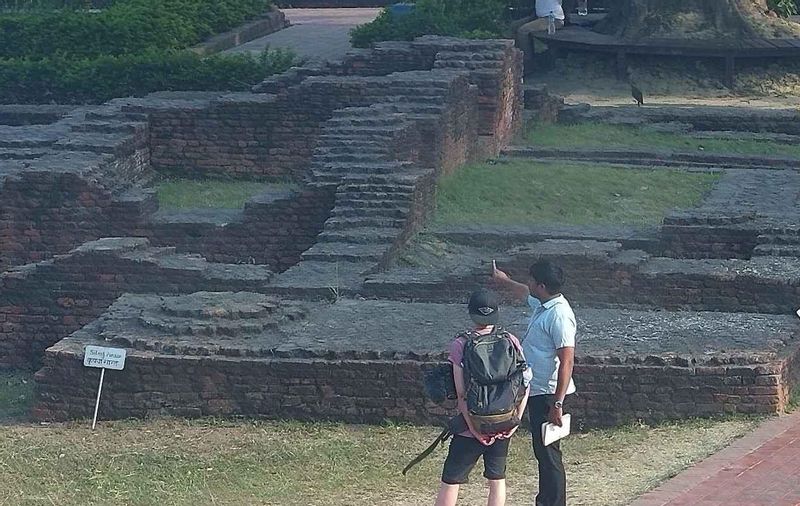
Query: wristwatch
(558, 404)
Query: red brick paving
(762, 468)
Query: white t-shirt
(552, 326)
(545, 7)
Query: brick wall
(44, 302)
(273, 230)
(361, 391)
(673, 284)
(45, 213)
(611, 394)
(271, 134)
(683, 235)
(600, 274)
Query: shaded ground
(294, 464)
(591, 79)
(16, 394)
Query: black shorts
(463, 455)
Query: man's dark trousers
(552, 478)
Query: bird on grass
(637, 95)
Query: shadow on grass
(16, 396)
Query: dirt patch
(591, 79)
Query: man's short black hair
(548, 274)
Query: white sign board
(107, 358)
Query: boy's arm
(458, 378)
(519, 290)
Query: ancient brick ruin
(296, 305)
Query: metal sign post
(104, 358)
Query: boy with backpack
(491, 380)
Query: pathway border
(270, 22)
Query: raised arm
(519, 290)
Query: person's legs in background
(523, 40)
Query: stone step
(414, 108)
(407, 177)
(114, 143)
(372, 204)
(360, 168)
(200, 217)
(22, 153)
(29, 136)
(343, 223)
(377, 188)
(382, 212)
(136, 202)
(361, 235)
(346, 132)
(116, 115)
(109, 127)
(345, 252)
(477, 55)
(370, 147)
(468, 65)
(779, 239)
(376, 192)
(348, 197)
(777, 250)
(416, 90)
(351, 157)
(415, 99)
(392, 119)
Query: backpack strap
(455, 425)
(440, 439)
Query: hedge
(94, 80)
(126, 27)
(459, 18)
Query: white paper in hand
(552, 432)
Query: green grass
(524, 192)
(193, 194)
(288, 463)
(596, 135)
(16, 394)
(235, 462)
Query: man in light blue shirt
(549, 348)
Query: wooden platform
(577, 38)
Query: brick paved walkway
(316, 34)
(760, 469)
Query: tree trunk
(701, 19)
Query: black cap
(483, 307)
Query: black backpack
(494, 383)
(493, 380)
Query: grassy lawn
(236, 462)
(193, 194)
(288, 463)
(524, 192)
(597, 135)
